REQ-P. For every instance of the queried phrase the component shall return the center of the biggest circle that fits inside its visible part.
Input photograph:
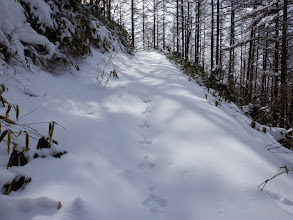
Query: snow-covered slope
(47, 33)
(148, 146)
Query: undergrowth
(11, 133)
(72, 29)
(219, 89)
(258, 114)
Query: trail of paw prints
(146, 164)
(155, 203)
(147, 110)
(145, 124)
(146, 141)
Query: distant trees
(246, 45)
(105, 4)
(266, 67)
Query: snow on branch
(18, 35)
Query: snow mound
(28, 207)
(49, 32)
(18, 35)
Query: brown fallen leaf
(59, 205)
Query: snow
(15, 31)
(26, 206)
(42, 11)
(151, 145)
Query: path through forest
(151, 145)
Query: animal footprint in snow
(146, 141)
(146, 100)
(106, 108)
(146, 124)
(170, 163)
(146, 164)
(154, 202)
(90, 113)
(120, 96)
(184, 172)
(147, 110)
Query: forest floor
(151, 145)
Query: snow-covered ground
(148, 146)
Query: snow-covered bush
(18, 39)
(11, 130)
(258, 113)
(261, 116)
(47, 31)
(16, 136)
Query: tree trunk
(164, 24)
(218, 34)
(177, 26)
(203, 47)
(196, 34)
(263, 78)
(109, 9)
(132, 22)
(157, 9)
(104, 7)
(212, 37)
(154, 25)
(143, 24)
(231, 51)
(249, 70)
(188, 31)
(276, 78)
(291, 106)
(283, 65)
(182, 25)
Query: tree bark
(212, 37)
(249, 70)
(182, 26)
(143, 24)
(263, 77)
(109, 9)
(177, 26)
(283, 65)
(164, 24)
(197, 33)
(218, 33)
(154, 25)
(276, 78)
(231, 51)
(132, 22)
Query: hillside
(150, 145)
(130, 136)
(50, 33)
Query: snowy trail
(149, 147)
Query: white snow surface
(148, 146)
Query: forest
(146, 109)
(246, 46)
